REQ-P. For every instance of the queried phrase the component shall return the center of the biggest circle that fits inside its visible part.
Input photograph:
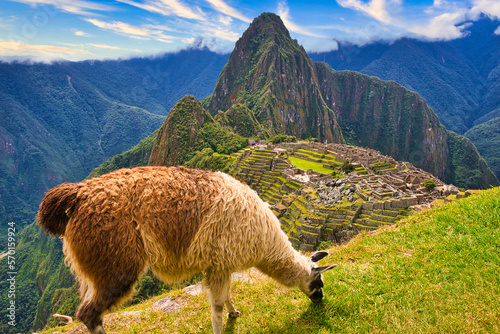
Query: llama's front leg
(218, 288)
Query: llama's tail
(55, 209)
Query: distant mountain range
(458, 79)
(60, 121)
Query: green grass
(305, 165)
(314, 155)
(435, 272)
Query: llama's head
(313, 286)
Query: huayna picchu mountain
(269, 74)
(274, 77)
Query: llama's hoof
(235, 314)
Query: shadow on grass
(315, 318)
(230, 325)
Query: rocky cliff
(387, 117)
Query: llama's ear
(315, 272)
(318, 256)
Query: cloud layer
(76, 28)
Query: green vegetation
(347, 167)
(429, 185)
(190, 129)
(435, 272)
(44, 284)
(306, 165)
(220, 139)
(208, 160)
(136, 156)
(469, 169)
(486, 137)
(282, 138)
(240, 119)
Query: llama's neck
(285, 264)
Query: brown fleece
(54, 211)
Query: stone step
(309, 238)
(386, 219)
(386, 212)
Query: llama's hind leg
(108, 261)
(88, 312)
(91, 316)
(99, 298)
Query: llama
(176, 221)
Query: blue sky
(87, 29)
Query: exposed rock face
(275, 78)
(387, 117)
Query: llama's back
(181, 221)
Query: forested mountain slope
(457, 78)
(61, 120)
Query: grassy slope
(436, 272)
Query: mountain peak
(268, 23)
(273, 76)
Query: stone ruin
(314, 207)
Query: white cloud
(211, 43)
(320, 45)
(381, 10)
(82, 34)
(80, 7)
(441, 27)
(119, 27)
(125, 29)
(284, 13)
(189, 40)
(442, 21)
(225, 20)
(168, 8)
(227, 35)
(224, 8)
(488, 7)
(12, 48)
(497, 31)
(103, 46)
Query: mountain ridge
(459, 68)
